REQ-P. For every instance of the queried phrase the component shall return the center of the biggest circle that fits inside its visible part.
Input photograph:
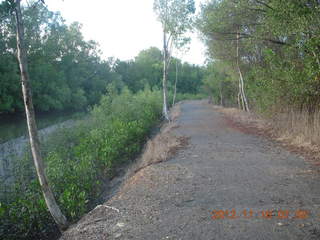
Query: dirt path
(221, 169)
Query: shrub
(77, 160)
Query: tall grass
(297, 128)
(300, 127)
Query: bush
(78, 160)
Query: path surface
(221, 169)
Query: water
(14, 126)
(13, 132)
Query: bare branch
(246, 35)
(264, 4)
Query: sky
(122, 27)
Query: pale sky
(121, 27)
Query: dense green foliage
(146, 70)
(219, 84)
(66, 71)
(279, 45)
(78, 159)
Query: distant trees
(146, 70)
(176, 19)
(219, 84)
(67, 72)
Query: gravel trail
(224, 185)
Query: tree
(278, 49)
(176, 19)
(149, 65)
(146, 70)
(219, 84)
(53, 207)
(66, 72)
(241, 93)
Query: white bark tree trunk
(241, 82)
(239, 103)
(245, 102)
(240, 97)
(54, 209)
(164, 80)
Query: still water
(14, 126)
(13, 134)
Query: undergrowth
(78, 160)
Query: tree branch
(264, 4)
(246, 35)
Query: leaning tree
(13, 7)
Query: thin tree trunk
(241, 82)
(240, 97)
(221, 97)
(164, 80)
(54, 209)
(175, 85)
(243, 93)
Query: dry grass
(297, 130)
(251, 119)
(299, 127)
(160, 148)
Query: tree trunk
(245, 102)
(175, 85)
(54, 209)
(164, 80)
(240, 97)
(221, 97)
(241, 82)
